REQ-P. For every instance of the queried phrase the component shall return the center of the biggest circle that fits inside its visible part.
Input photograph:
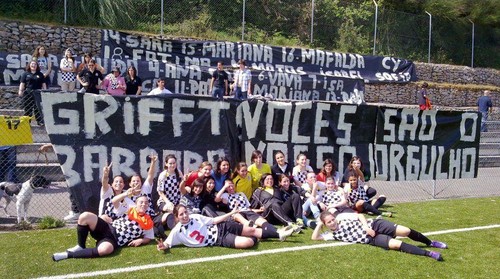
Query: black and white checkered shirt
(127, 230)
(349, 231)
(356, 195)
(169, 184)
(237, 200)
(331, 197)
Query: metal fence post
(472, 55)
(433, 188)
(243, 22)
(312, 21)
(375, 31)
(430, 36)
(65, 11)
(161, 20)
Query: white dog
(22, 193)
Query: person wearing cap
(114, 84)
(242, 82)
(68, 71)
(160, 90)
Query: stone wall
(440, 95)
(441, 73)
(449, 86)
(19, 37)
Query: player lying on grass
(199, 231)
(355, 228)
(134, 229)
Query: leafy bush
(49, 222)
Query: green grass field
(472, 254)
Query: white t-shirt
(158, 91)
(199, 232)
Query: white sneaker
(72, 216)
(74, 249)
(285, 232)
(59, 256)
(82, 90)
(296, 228)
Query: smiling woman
(355, 228)
(134, 229)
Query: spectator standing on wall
(242, 82)
(160, 90)
(40, 55)
(31, 80)
(424, 101)
(219, 83)
(89, 78)
(68, 71)
(133, 82)
(114, 83)
(485, 107)
(85, 64)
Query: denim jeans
(240, 95)
(218, 92)
(8, 161)
(483, 121)
(308, 206)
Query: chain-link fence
(25, 152)
(294, 22)
(346, 26)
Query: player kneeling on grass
(134, 229)
(199, 231)
(355, 228)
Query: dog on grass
(21, 193)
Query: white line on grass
(240, 255)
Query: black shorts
(228, 231)
(250, 215)
(385, 232)
(104, 232)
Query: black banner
(285, 73)
(12, 67)
(281, 72)
(295, 61)
(422, 145)
(88, 131)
